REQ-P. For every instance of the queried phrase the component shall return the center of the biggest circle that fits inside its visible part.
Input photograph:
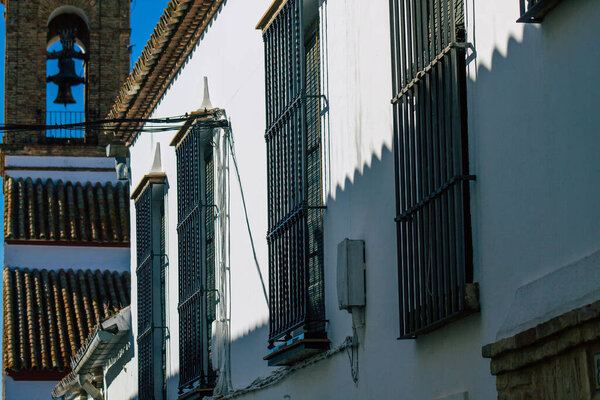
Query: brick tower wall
(25, 64)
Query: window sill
(537, 13)
(471, 306)
(194, 394)
(298, 349)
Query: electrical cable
(239, 179)
(163, 125)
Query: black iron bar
(409, 168)
(431, 171)
(401, 144)
(449, 173)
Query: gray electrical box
(351, 274)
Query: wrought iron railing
(65, 118)
(195, 229)
(145, 289)
(433, 222)
(149, 273)
(295, 208)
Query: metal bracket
(318, 96)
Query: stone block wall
(556, 360)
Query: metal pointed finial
(156, 165)
(206, 104)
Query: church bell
(66, 77)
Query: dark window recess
(149, 207)
(295, 206)
(435, 267)
(535, 10)
(197, 297)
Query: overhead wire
(239, 179)
(114, 126)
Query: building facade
(418, 181)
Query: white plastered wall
(65, 257)
(533, 146)
(231, 55)
(76, 169)
(30, 390)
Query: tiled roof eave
(67, 243)
(49, 314)
(37, 375)
(97, 349)
(65, 213)
(174, 38)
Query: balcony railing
(534, 11)
(63, 118)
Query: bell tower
(62, 47)
(66, 212)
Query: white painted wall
(231, 56)
(73, 176)
(59, 161)
(93, 169)
(30, 390)
(533, 132)
(233, 64)
(532, 100)
(120, 374)
(65, 257)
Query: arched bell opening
(67, 43)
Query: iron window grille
(197, 296)
(149, 206)
(295, 205)
(534, 11)
(433, 223)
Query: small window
(433, 222)
(150, 244)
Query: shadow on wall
(364, 208)
(247, 364)
(246, 350)
(533, 117)
(125, 355)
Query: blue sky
(144, 16)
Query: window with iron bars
(433, 224)
(295, 205)
(149, 207)
(197, 296)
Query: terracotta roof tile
(173, 40)
(49, 314)
(65, 211)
